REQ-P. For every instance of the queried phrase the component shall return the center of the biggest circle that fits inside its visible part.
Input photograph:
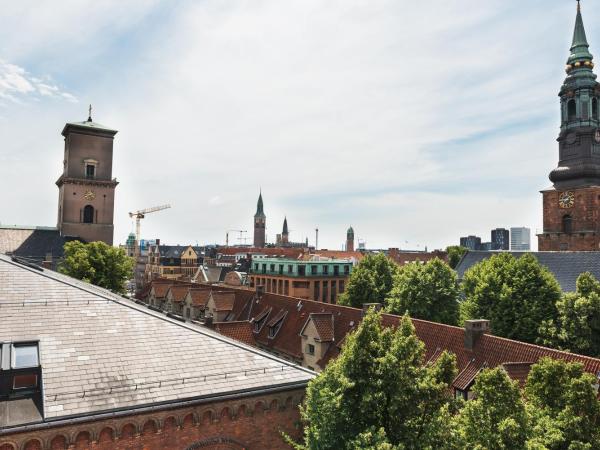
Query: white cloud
(17, 84)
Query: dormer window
(20, 370)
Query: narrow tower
(350, 240)
(572, 205)
(284, 233)
(86, 189)
(260, 221)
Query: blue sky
(414, 123)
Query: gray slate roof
(101, 352)
(175, 251)
(565, 266)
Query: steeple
(285, 226)
(259, 206)
(579, 48)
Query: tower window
(88, 214)
(567, 224)
(90, 171)
(595, 108)
(571, 110)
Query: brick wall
(250, 423)
(585, 212)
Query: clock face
(566, 199)
(89, 195)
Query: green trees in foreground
(97, 263)
(378, 394)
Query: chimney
(158, 242)
(208, 321)
(367, 306)
(474, 329)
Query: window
(325, 270)
(88, 214)
(90, 171)
(272, 267)
(301, 270)
(571, 110)
(264, 268)
(25, 355)
(290, 268)
(256, 267)
(313, 269)
(280, 269)
(567, 224)
(346, 270)
(310, 349)
(336, 270)
(26, 381)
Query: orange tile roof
(179, 292)
(224, 301)
(161, 289)
(199, 296)
(337, 254)
(239, 330)
(324, 325)
(518, 371)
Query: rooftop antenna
(90, 113)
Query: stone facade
(236, 424)
(86, 187)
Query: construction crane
(241, 238)
(140, 215)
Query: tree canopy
(97, 263)
(426, 291)
(370, 281)
(455, 253)
(515, 294)
(379, 393)
(577, 325)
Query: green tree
(577, 327)
(495, 419)
(515, 294)
(379, 393)
(455, 253)
(97, 263)
(426, 291)
(370, 281)
(563, 405)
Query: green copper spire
(579, 47)
(259, 206)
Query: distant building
(350, 240)
(500, 239)
(176, 262)
(320, 279)
(487, 246)
(471, 242)
(260, 222)
(520, 238)
(403, 257)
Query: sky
(414, 122)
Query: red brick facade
(583, 231)
(251, 423)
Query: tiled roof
(270, 251)
(199, 295)
(179, 292)
(324, 326)
(175, 251)
(277, 318)
(337, 254)
(518, 371)
(160, 289)
(224, 301)
(565, 266)
(239, 330)
(100, 352)
(488, 351)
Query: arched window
(571, 110)
(595, 108)
(88, 214)
(567, 224)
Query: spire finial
(90, 113)
(578, 6)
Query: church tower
(350, 240)
(86, 189)
(260, 221)
(572, 205)
(285, 235)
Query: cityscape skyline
(436, 169)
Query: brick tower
(260, 221)
(86, 189)
(572, 205)
(350, 240)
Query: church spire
(579, 48)
(259, 206)
(285, 226)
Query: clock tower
(86, 189)
(572, 205)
